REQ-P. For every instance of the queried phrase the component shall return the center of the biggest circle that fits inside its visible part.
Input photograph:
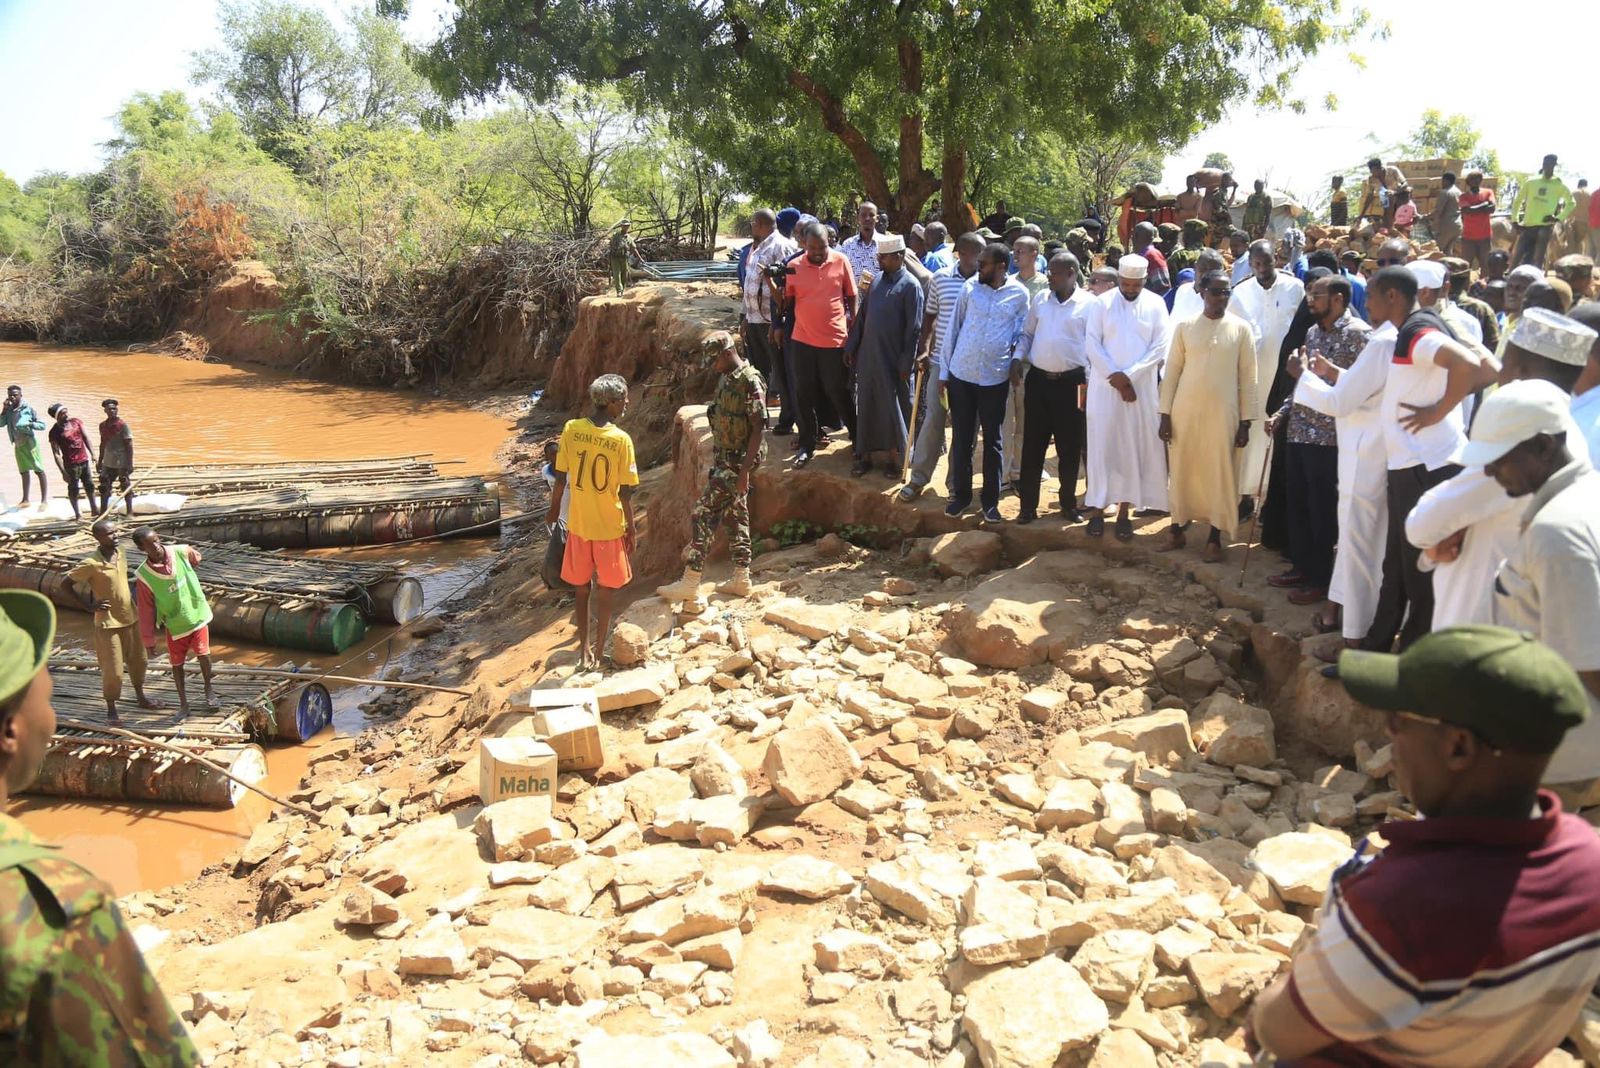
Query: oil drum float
(396, 600)
(302, 712)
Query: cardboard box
(569, 722)
(515, 767)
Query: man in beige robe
(1207, 398)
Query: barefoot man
(595, 463)
(170, 599)
(101, 580)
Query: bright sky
(67, 65)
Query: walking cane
(1255, 516)
(911, 428)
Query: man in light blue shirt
(939, 255)
(976, 377)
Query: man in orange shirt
(820, 299)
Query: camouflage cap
(27, 627)
(1555, 337)
(1577, 262)
(716, 341)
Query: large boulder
(1018, 618)
(966, 552)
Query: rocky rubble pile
(868, 816)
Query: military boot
(686, 588)
(738, 585)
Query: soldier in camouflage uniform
(738, 418)
(74, 989)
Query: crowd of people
(73, 451)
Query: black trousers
(820, 375)
(1407, 591)
(1313, 510)
(973, 406)
(1050, 412)
(764, 354)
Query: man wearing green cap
(74, 989)
(1474, 938)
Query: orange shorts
(603, 561)
(198, 643)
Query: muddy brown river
(182, 411)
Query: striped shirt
(1468, 942)
(944, 292)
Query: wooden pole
(919, 383)
(187, 755)
(306, 676)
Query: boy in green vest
(170, 599)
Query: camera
(777, 271)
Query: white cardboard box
(515, 767)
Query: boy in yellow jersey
(595, 463)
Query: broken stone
(865, 800)
(1019, 617)
(1070, 803)
(511, 828)
(679, 1049)
(1162, 736)
(813, 621)
(1027, 1017)
(1231, 732)
(636, 686)
(755, 1047)
(845, 950)
(1008, 858)
(806, 764)
(973, 722)
(809, 877)
(1099, 762)
(367, 906)
(715, 773)
(937, 784)
(1299, 864)
(1116, 964)
(597, 811)
(1124, 814)
(1229, 981)
(923, 886)
(1002, 924)
(1021, 789)
(721, 950)
(1122, 1049)
(653, 873)
(912, 687)
(629, 644)
(435, 950)
(573, 888)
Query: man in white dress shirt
(1050, 358)
(1187, 302)
(1267, 301)
(1125, 339)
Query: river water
(183, 411)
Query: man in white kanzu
(1267, 301)
(1353, 397)
(1125, 339)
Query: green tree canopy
(1448, 136)
(911, 91)
(284, 68)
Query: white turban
(1132, 265)
(1428, 273)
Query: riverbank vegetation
(401, 192)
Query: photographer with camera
(763, 295)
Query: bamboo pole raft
(243, 476)
(83, 762)
(266, 598)
(315, 517)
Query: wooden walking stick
(1255, 517)
(911, 429)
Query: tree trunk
(953, 184)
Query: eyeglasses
(1393, 719)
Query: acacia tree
(912, 90)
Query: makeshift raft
(86, 764)
(324, 517)
(260, 597)
(207, 479)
